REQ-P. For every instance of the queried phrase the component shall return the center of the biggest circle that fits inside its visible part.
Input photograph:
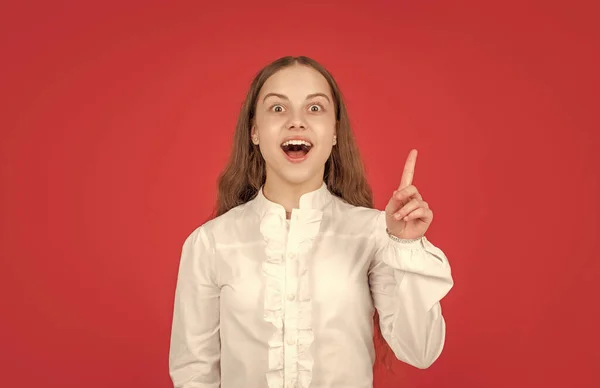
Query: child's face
(295, 103)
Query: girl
(281, 288)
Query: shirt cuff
(406, 243)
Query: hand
(408, 216)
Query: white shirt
(263, 303)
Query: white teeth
(297, 142)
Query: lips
(296, 149)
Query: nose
(296, 125)
(296, 122)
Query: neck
(288, 194)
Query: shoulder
(352, 216)
(229, 220)
(223, 226)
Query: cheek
(267, 128)
(323, 127)
(269, 122)
(269, 133)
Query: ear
(254, 135)
(337, 123)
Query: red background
(117, 119)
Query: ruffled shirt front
(262, 301)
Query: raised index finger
(409, 170)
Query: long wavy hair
(245, 172)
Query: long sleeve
(194, 358)
(407, 282)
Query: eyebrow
(284, 97)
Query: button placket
(291, 307)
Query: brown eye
(277, 108)
(315, 108)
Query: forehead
(296, 82)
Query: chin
(308, 168)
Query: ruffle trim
(274, 230)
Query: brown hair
(344, 176)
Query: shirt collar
(315, 200)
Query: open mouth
(296, 149)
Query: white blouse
(261, 302)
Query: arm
(407, 282)
(194, 358)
